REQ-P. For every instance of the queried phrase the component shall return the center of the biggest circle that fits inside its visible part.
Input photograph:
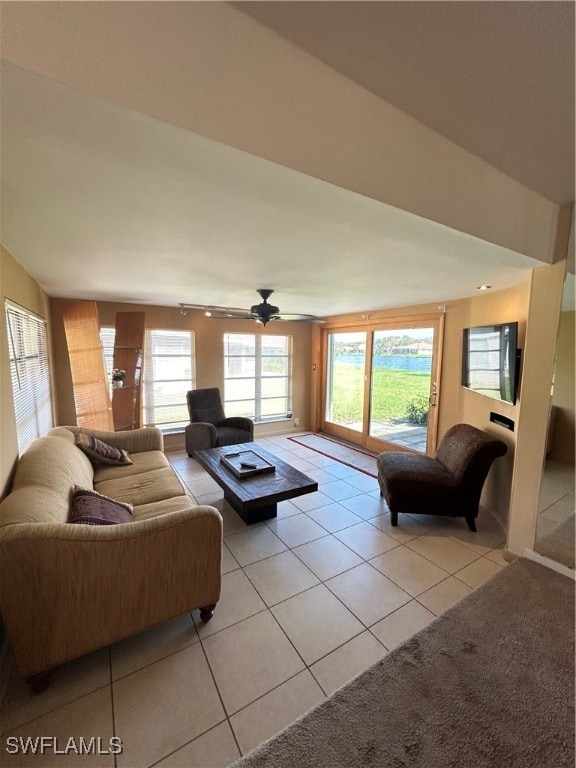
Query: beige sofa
(68, 589)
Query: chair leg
(207, 611)
(394, 518)
(471, 524)
(38, 683)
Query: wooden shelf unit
(128, 356)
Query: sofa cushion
(100, 452)
(92, 508)
(144, 488)
(141, 462)
(158, 508)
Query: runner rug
(489, 684)
(352, 457)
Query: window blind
(258, 376)
(169, 372)
(91, 396)
(107, 336)
(30, 374)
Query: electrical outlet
(296, 422)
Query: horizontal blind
(107, 336)
(258, 376)
(30, 374)
(169, 372)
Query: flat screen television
(491, 360)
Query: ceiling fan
(262, 313)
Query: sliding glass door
(346, 355)
(400, 386)
(381, 384)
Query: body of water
(412, 363)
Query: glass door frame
(363, 439)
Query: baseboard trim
(529, 554)
(500, 520)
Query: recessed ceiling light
(483, 287)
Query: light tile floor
(309, 600)
(556, 513)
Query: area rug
(352, 457)
(488, 684)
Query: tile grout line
(112, 701)
(12, 728)
(169, 754)
(219, 696)
(449, 536)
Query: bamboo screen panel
(89, 379)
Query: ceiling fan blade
(299, 318)
(236, 314)
(261, 313)
(212, 308)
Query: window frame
(108, 332)
(259, 341)
(148, 382)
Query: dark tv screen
(490, 360)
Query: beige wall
(209, 355)
(563, 393)
(16, 285)
(456, 403)
(537, 370)
(461, 404)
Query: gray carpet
(490, 683)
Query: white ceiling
(106, 203)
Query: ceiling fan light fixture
(262, 313)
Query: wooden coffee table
(255, 498)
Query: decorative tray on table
(246, 463)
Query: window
(258, 376)
(30, 374)
(169, 373)
(107, 336)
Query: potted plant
(118, 377)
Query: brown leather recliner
(448, 484)
(209, 427)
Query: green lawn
(392, 391)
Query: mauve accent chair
(448, 484)
(209, 427)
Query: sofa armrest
(66, 589)
(239, 422)
(133, 441)
(200, 436)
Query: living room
(417, 171)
